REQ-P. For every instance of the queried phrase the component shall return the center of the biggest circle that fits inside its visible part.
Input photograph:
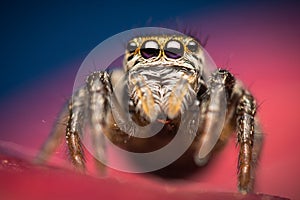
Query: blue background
(38, 37)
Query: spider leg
(214, 101)
(93, 103)
(100, 91)
(249, 138)
(75, 124)
(69, 123)
(54, 139)
(241, 116)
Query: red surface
(260, 49)
(22, 180)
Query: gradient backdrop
(43, 45)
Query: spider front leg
(92, 103)
(242, 118)
(249, 139)
(75, 123)
(99, 92)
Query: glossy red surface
(22, 180)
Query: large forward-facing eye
(150, 49)
(174, 49)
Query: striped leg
(75, 124)
(249, 139)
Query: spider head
(164, 74)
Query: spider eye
(150, 49)
(192, 46)
(131, 47)
(174, 49)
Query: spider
(164, 81)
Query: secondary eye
(174, 49)
(192, 46)
(150, 49)
(131, 46)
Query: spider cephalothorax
(163, 78)
(164, 74)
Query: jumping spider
(164, 76)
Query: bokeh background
(44, 43)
